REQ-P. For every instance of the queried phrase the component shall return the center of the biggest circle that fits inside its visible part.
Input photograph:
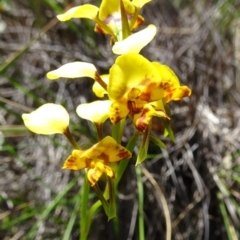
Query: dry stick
(163, 201)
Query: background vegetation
(198, 175)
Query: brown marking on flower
(70, 163)
(92, 177)
(108, 170)
(186, 91)
(133, 109)
(142, 123)
(139, 21)
(104, 157)
(123, 154)
(98, 29)
(145, 96)
(115, 119)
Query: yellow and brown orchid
(97, 159)
(108, 16)
(136, 84)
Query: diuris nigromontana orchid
(108, 16)
(137, 87)
(97, 159)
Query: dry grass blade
(161, 201)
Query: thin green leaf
(157, 142)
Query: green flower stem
(99, 131)
(125, 25)
(123, 164)
(105, 27)
(140, 203)
(112, 199)
(84, 209)
(93, 209)
(142, 154)
(117, 131)
(86, 215)
(135, 16)
(70, 138)
(100, 81)
(105, 204)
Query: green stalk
(104, 202)
(112, 199)
(123, 164)
(117, 131)
(83, 209)
(98, 78)
(140, 203)
(125, 25)
(99, 131)
(105, 27)
(70, 138)
(135, 16)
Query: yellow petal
(156, 91)
(171, 84)
(107, 150)
(95, 172)
(98, 89)
(178, 94)
(111, 151)
(140, 3)
(48, 119)
(167, 74)
(108, 170)
(135, 42)
(118, 110)
(75, 161)
(158, 105)
(110, 10)
(83, 11)
(130, 70)
(97, 112)
(142, 119)
(73, 70)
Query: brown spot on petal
(145, 96)
(140, 21)
(124, 154)
(70, 163)
(141, 125)
(98, 29)
(104, 157)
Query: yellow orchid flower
(136, 83)
(96, 112)
(48, 119)
(108, 15)
(97, 159)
